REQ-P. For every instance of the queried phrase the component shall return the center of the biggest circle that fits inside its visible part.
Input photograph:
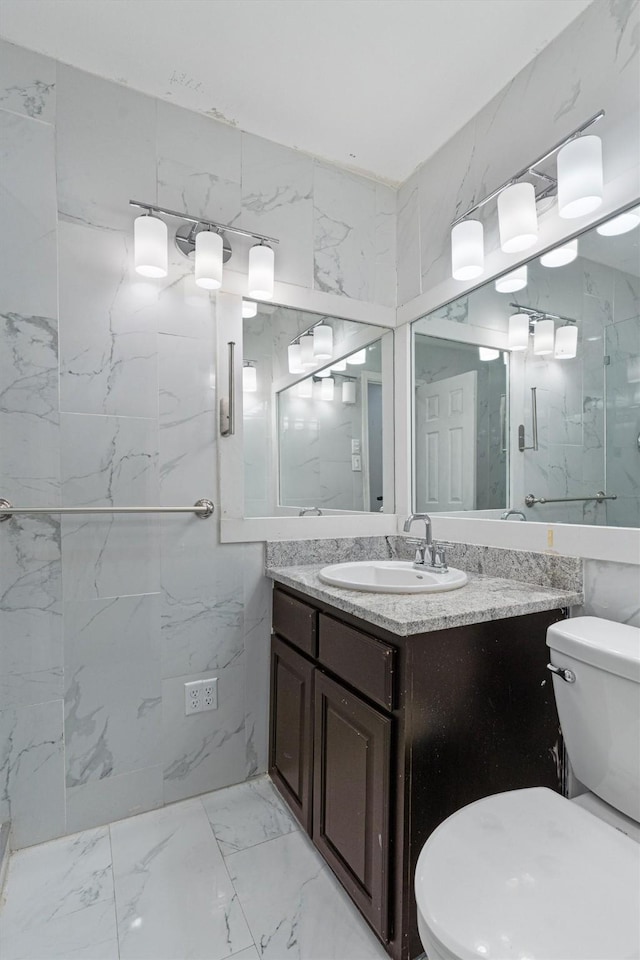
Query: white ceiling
(374, 85)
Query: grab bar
(202, 508)
(534, 425)
(600, 496)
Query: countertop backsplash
(543, 569)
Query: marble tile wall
(107, 396)
(590, 66)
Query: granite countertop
(482, 598)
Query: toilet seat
(528, 875)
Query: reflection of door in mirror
(459, 430)
(372, 441)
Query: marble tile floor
(227, 874)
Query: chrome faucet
(428, 553)
(513, 513)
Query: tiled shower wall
(107, 396)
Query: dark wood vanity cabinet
(377, 738)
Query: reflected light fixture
(151, 258)
(340, 366)
(580, 177)
(560, 256)
(349, 391)
(322, 341)
(488, 353)
(208, 266)
(357, 358)
(566, 346)
(249, 309)
(515, 280)
(306, 351)
(467, 250)
(326, 388)
(624, 222)
(517, 217)
(519, 331)
(249, 376)
(324, 373)
(305, 388)
(261, 272)
(294, 356)
(543, 337)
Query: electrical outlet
(193, 697)
(356, 462)
(210, 694)
(355, 446)
(201, 695)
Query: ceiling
(374, 85)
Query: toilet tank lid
(614, 647)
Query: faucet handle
(439, 557)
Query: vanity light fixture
(488, 353)
(580, 190)
(357, 358)
(205, 239)
(294, 355)
(519, 331)
(566, 346)
(580, 177)
(150, 246)
(349, 391)
(323, 373)
(322, 341)
(339, 367)
(543, 337)
(517, 217)
(326, 388)
(306, 351)
(305, 388)
(261, 271)
(249, 309)
(249, 376)
(624, 222)
(515, 280)
(560, 256)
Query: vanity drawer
(296, 622)
(365, 663)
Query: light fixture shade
(322, 342)
(326, 388)
(261, 272)
(560, 256)
(324, 373)
(358, 358)
(566, 342)
(580, 177)
(621, 224)
(517, 217)
(515, 280)
(249, 309)
(249, 377)
(467, 250)
(340, 366)
(151, 256)
(208, 268)
(294, 356)
(306, 348)
(488, 353)
(543, 337)
(349, 391)
(305, 388)
(317, 390)
(519, 331)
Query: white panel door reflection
(447, 443)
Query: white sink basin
(391, 576)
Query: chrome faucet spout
(428, 553)
(427, 525)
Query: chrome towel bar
(202, 508)
(600, 496)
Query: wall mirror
(571, 321)
(317, 414)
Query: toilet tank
(600, 712)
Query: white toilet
(529, 875)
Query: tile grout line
(113, 881)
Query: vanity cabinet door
(291, 739)
(351, 796)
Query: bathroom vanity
(388, 713)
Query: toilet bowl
(531, 875)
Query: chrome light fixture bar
(221, 227)
(517, 202)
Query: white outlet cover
(193, 697)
